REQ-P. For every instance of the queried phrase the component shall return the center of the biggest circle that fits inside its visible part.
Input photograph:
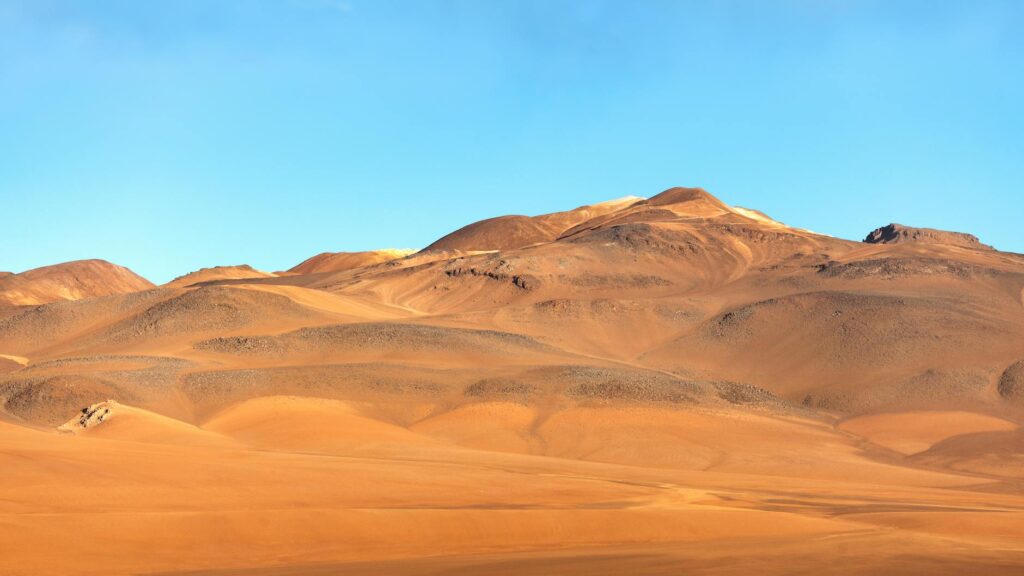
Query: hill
(341, 261)
(240, 272)
(69, 281)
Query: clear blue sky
(171, 135)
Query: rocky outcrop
(90, 417)
(898, 233)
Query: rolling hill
(659, 386)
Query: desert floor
(292, 485)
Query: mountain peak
(682, 195)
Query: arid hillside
(338, 261)
(68, 281)
(240, 272)
(653, 386)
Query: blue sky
(171, 135)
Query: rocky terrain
(661, 384)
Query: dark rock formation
(898, 233)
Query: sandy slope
(913, 432)
(660, 386)
(241, 272)
(282, 496)
(68, 281)
(340, 261)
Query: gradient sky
(171, 135)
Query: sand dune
(315, 425)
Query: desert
(511, 288)
(658, 386)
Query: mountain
(658, 386)
(509, 232)
(681, 240)
(69, 281)
(339, 261)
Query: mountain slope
(663, 386)
(69, 281)
(340, 261)
(677, 242)
(241, 272)
(510, 232)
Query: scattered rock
(1011, 383)
(90, 417)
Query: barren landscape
(669, 385)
